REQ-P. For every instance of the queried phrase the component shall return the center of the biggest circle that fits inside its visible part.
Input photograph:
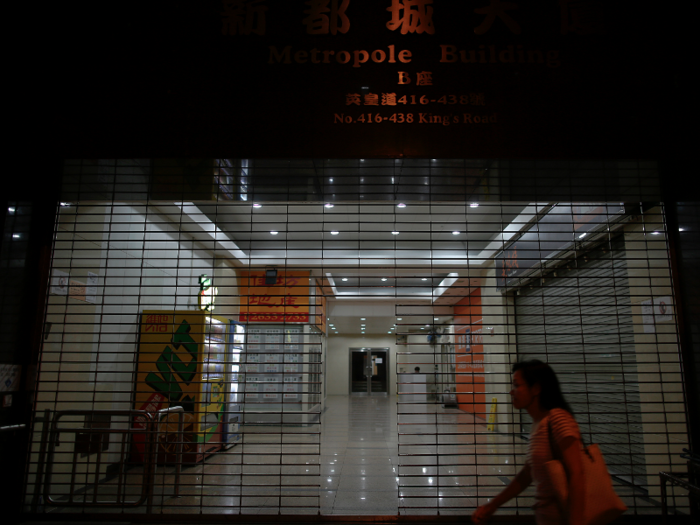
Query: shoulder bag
(602, 505)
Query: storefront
(451, 187)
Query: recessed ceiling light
(383, 278)
(422, 328)
(64, 204)
(330, 180)
(399, 318)
(328, 204)
(424, 279)
(15, 235)
(11, 209)
(334, 232)
(273, 232)
(656, 233)
(436, 318)
(344, 279)
(401, 205)
(456, 233)
(388, 332)
(474, 205)
(582, 235)
(256, 205)
(394, 233)
(363, 318)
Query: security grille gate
(200, 314)
(597, 324)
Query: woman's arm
(571, 457)
(515, 487)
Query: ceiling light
(328, 204)
(422, 328)
(64, 204)
(582, 235)
(330, 180)
(363, 318)
(474, 205)
(399, 318)
(436, 319)
(394, 233)
(15, 235)
(256, 205)
(456, 233)
(681, 229)
(656, 233)
(400, 205)
(424, 279)
(388, 332)
(334, 233)
(11, 209)
(383, 278)
(344, 279)
(273, 232)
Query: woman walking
(536, 389)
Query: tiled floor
(367, 460)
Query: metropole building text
(275, 260)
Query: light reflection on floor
(368, 460)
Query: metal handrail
(54, 434)
(180, 441)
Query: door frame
(364, 350)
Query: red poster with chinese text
(469, 349)
(286, 301)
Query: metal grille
(314, 260)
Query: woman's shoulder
(562, 423)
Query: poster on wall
(469, 355)
(285, 301)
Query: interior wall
(657, 352)
(142, 261)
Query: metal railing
(84, 494)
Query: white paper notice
(59, 283)
(91, 288)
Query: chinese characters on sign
(412, 16)
(324, 17)
(319, 22)
(389, 99)
(287, 301)
(243, 17)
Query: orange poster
(320, 317)
(469, 349)
(286, 301)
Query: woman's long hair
(535, 372)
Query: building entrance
(369, 371)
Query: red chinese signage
(285, 301)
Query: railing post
(45, 423)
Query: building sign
(469, 355)
(382, 78)
(286, 301)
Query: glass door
(369, 371)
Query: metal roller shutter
(579, 320)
